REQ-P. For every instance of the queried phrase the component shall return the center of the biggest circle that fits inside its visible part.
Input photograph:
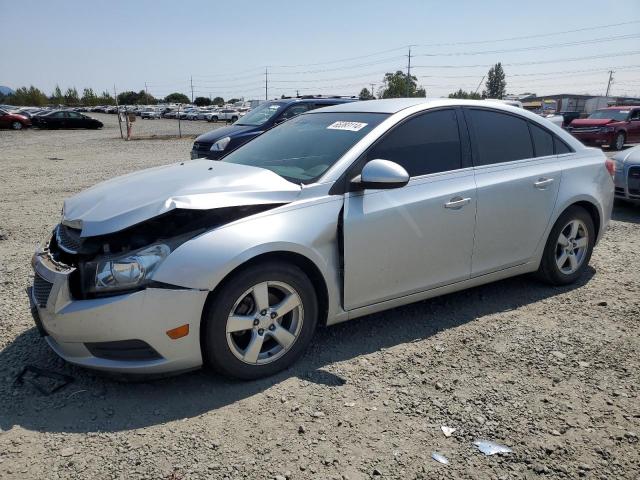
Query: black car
(217, 143)
(65, 119)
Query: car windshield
(303, 148)
(619, 115)
(261, 114)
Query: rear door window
(560, 146)
(499, 137)
(427, 143)
(542, 140)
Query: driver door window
(428, 143)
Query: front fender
(309, 230)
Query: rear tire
(568, 248)
(234, 119)
(243, 334)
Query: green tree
(202, 101)
(32, 97)
(219, 101)
(496, 84)
(397, 85)
(56, 96)
(233, 100)
(365, 94)
(105, 99)
(88, 97)
(71, 97)
(462, 94)
(177, 97)
(128, 98)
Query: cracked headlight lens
(128, 272)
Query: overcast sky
(318, 47)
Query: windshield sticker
(350, 126)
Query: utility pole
(297, 93)
(191, 79)
(409, 71)
(146, 93)
(611, 72)
(372, 94)
(478, 87)
(266, 83)
(115, 94)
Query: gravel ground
(550, 372)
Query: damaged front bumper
(124, 333)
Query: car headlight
(220, 145)
(606, 129)
(128, 272)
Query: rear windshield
(619, 115)
(303, 148)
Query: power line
(537, 47)
(526, 37)
(574, 59)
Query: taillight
(611, 166)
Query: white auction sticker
(351, 126)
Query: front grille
(633, 181)
(202, 146)
(123, 350)
(619, 191)
(41, 290)
(584, 129)
(68, 239)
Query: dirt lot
(550, 372)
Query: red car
(613, 126)
(13, 120)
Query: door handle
(543, 182)
(457, 202)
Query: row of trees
(34, 97)
(397, 85)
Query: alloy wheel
(264, 322)
(572, 246)
(619, 141)
(16, 126)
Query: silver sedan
(627, 178)
(335, 214)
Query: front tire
(568, 248)
(618, 143)
(16, 125)
(260, 321)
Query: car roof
(621, 107)
(329, 100)
(394, 105)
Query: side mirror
(381, 174)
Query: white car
(227, 114)
(150, 114)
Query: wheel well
(300, 261)
(593, 212)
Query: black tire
(214, 119)
(234, 119)
(216, 350)
(16, 125)
(618, 142)
(549, 271)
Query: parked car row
(46, 118)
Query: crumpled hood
(590, 122)
(124, 201)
